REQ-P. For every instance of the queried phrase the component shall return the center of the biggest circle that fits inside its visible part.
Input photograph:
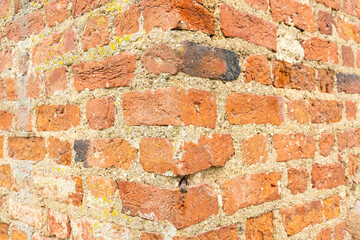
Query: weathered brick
(33, 88)
(22, 176)
(358, 52)
(100, 190)
(5, 120)
(23, 62)
(324, 234)
(186, 14)
(115, 71)
(57, 117)
(353, 164)
(347, 56)
(59, 225)
(5, 176)
(170, 106)
(106, 153)
(156, 204)
(2, 88)
(335, 4)
(325, 111)
(67, 189)
(298, 217)
(348, 83)
(249, 190)
(255, 149)
(56, 12)
(228, 233)
(81, 148)
(22, 119)
(59, 151)
(259, 4)
(152, 236)
(36, 236)
(11, 89)
(261, 227)
(1, 146)
(54, 46)
(235, 23)
(351, 110)
(294, 146)
(4, 229)
(294, 76)
(17, 234)
(100, 113)
(96, 33)
(327, 176)
(34, 216)
(25, 26)
(32, 148)
(6, 57)
(127, 22)
(339, 231)
(320, 50)
(326, 142)
(325, 22)
(158, 155)
(290, 11)
(298, 110)
(346, 139)
(245, 108)
(297, 180)
(80, 7)
(257, 69)
(349, 7)
(5, 8)
(346, 30)
(55, 81)
(326, 80)
(331, 207)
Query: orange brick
(59, 225)
(327, 176)
(11, 89)
(339, 231)
(151, 236)
(255, 149)
(298, 110)
(260, 227)
(326, 143)
(5, 120)
(1, 146)
(351, 109)
(326, 80)
(324, 234)
(17, 234)
(96, 33)
(331, 207)
(82, 6)
(57, 117)
(259, 4)
(5, 176)
(55, 81)
(335, 4)
(6, 57)
(56, 12)
(100, 113)
(325, 111)
(127, 22)
(100, 187)
(353, 164)
(4, 228)
(257, 69)
(321, 50)
(349, 7)
(59, 151)
(228, 232)
(297, 180)
(31, 148)
(347, 56)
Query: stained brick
(348, 83)
(96, 33)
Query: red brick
(324, 234)
(96, 33)
(152, 236)
(327, 176)
(331, 207)
(294, 146)
(82, 6)
(115, 71)
(255, 149)
(186, 14)
(4, 229)
(346, 139)
(290, 11)
(5, 120)
(259, 4)
(59, 225)
(245, 108)
(325, 111)
(101, 188)
(67, 189)
(154, 203)
(5, 8)
(351, 110)
(261, 227)
(326, 80)
(11, 89)
(59, 151)
(127, 22)
(158, 155)
(339, 231)
(298, 217)
(5, 176)
(321, 50)
(17, 234)
(100, 113)
(353, 164)
(56, 12)
(247, 26)
(170, 106)
(298, 110)
(57, 117)
(349, 7)
(348, 83)
(107, 153)
(31, 148)
(257, 69)
(1, 146)
(33, 216)
(54, 46)
(297, 180)
(55, 81)
(25, 26)
(249, 190)
(228, 233)
(347, 56)
(22, 119)
(294, 76)
(33, 86)
(335, 4)
(325, 22)
(6, 57)
(326, 142)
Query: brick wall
(106, 105)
